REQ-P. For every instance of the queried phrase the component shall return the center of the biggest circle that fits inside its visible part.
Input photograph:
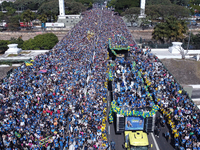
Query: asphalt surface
(195, 93)
(161, 142)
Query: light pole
(189, 40)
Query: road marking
(154, 140)
(109, 130)
(108, 104)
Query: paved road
(195, 93)
(161, 142)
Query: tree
(164, 11)
(159, 33)
(29, 4)
(90, 5)
(180, 2)
(13, 23)
(84, 2)
(112, 3)
(5, 4)
(158, 2)
(132, 14)
(3, 45)
(122, 5)
(10, 11)
(170, 30)
(28, 16)
(74, 7)
(50, 9)
(42, 18)
(46, 41)
(42, 41)
(29, 45)
(175, 29)
(1, 16)
(151, 12)
(194, 41)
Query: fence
(153, 44)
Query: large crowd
(178, 111)
(58, 102)
(129, 88)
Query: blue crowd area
(129, 89)
(145, 81)
(58, 100)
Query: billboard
(134, 123)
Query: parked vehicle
(3, 25)
(27, 25)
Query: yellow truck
(136, 140)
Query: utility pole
(188, 40)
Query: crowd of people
(129, 88)
(179, 112)
(154, 84)
(58, 101)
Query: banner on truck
(134, 123)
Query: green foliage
(42, 41)
(28, 16)
(29, 45)
(3, 45)
(112, 3)
(170, 30)
(132, 14)
(5, 4)
(164, 11)
(1, 16)
(42, 18)
(46, 41)
(84, 2)
(90, 5)
(74, 7)
(180, 2)
(50, 9)
(10, 11)
(152, 12)
(29, 4)
(13, 23)
(159, 33)
(194, 41)
(51, 5)
(122, 5)
(158, 2)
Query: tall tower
(142, 8)
(61, 9)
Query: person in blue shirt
(61, 145)
(112, 144)
(57, 146)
